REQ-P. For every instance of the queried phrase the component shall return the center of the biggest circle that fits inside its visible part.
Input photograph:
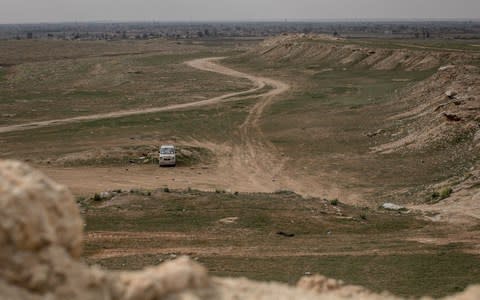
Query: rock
(169, 278)
(452, 117)
(230, 220)
(41, 235)
(476, 138)
(378, 132)
(391, 206)
(335, 288)
(186, 153)
(447, 67)
(285, 234)
(319, 284)
(451, 94)
(106, 195)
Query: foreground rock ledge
(41, 235)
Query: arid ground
(287, 150)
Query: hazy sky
(25, 11)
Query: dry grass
(132, 231)
(57, 87)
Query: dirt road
(253, 163)
(202, 64)
(247, 163)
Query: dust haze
(215, 10)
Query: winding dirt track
(253, 163)
(206, 64)
(247, 163)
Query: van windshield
(167, 151)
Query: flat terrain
(279, 172)
(248, 235)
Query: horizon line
(263, 20)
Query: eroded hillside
(393, 121)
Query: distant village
(185, 30)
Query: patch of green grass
(170, 59)
(445, 193)
(402, 267)
(3, 73)
(269, 212)
(403, 275)
(216, 123)
(92, 94)
(440, 195)
(68, 88)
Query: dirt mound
(322, 49)
(442, 113)
(139, 154)
(41, 243)
(443, 109)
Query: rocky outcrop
(41, 244)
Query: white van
(167, 156)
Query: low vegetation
(55, 88)
(344, 96)
(326, 130)
(235, 235)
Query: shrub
(442, 194)
(445, 193)
(97, 197)
(363, 216)
(284, 192)
(166, 190)
(140, 192)
(334, 202)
